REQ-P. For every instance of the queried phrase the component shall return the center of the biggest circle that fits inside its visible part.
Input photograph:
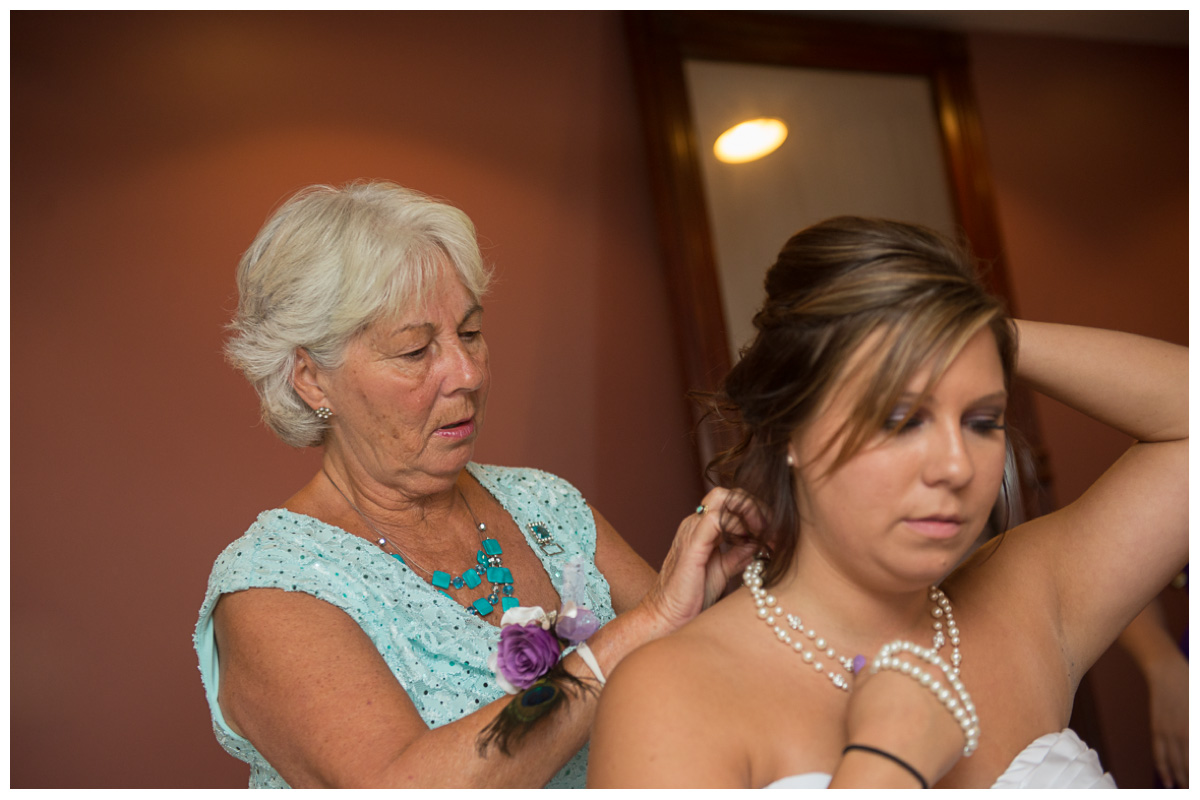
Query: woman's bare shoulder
(662, 709)
(697, 650)
(688, 672)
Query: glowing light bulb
(749, 140)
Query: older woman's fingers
(728, 520)
(1162, 764)
(696, 570)
(1170, 761)
(733, 510)
(1177, 757)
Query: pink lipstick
(936, 527)
(457, 430)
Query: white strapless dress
(1054, 761)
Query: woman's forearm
(406, 753)
(1135, 384)
(304, 683)
(449, 756)
(693, 573)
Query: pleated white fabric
(1054, 761)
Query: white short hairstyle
(328, 263)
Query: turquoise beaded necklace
(489, 563)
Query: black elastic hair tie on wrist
(887, 755)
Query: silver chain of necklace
(382, 541)
(489, 563)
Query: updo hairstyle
(326, 265)
(834, 285)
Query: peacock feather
(527, 707)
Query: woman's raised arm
(1110, 551)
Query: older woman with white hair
(349, 637)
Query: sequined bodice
(433, 646)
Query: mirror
(861, 142)
(881, 122)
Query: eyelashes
(470, 337)
(987, 425)
(900, 422)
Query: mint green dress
(434, 647)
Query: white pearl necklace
(957, 702)
(812, 648)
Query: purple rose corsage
(527, 661)
(527, 650)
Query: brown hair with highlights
(834, 285)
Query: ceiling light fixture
(750, 140)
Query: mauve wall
(1088, 145)
(147, 151)
(148, 148)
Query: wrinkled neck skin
(388, 491)
(406, 506)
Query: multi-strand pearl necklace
(953, 695)
(812, 648)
